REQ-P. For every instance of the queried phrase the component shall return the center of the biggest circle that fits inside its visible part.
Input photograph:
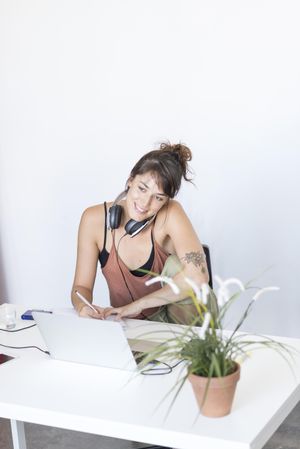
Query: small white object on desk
(8, 316)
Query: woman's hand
(129, 311)
(87, 312)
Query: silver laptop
(84, 340)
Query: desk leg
(18, 434)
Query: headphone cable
(120, 268)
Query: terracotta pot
(220, 393)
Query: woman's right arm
(89, 234)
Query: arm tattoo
(197, 259)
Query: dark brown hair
(169, 164)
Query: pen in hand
(86, 302)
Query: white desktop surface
(115, 403)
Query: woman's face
(144, 197)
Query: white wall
(86, 87)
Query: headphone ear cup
(133, 227)
(115, 216)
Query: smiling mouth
(139, 210)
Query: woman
(136, 234)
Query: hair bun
(182, 153)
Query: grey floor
(41, 437)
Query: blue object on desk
(28, 314)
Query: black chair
(208, 262)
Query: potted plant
(211, 354)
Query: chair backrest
(208, 262)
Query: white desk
(112, 403)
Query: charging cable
(18, 330)
(21, 347)
(25, 347)
(160, 370)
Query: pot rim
(218, 382)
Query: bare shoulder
(179, 227)
(171, 217)
(92, 225)
(175, 208)
(175, 232)
(170, 213)
(93, 214)
(93, 219)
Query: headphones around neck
(132, 227)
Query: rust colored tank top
(117, 279)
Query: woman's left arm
(189, 250)
(186, 244)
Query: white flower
(195, 287)
(204, 327)
(230, 281)
(202, 292)
(205, 292)
(242, 358)
(223, 296)
(166, 280)
(263, 290)
(223, 293)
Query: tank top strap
(105, 226)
